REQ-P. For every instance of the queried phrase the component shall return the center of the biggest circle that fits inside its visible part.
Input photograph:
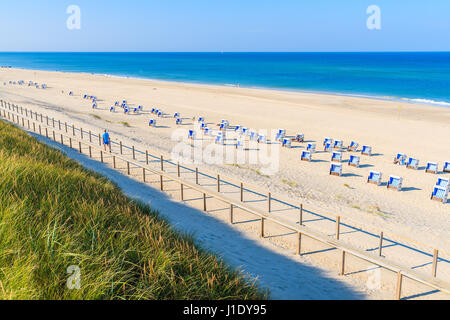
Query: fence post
(262, 227)
(114, 162)
(54, 136)
(398, 294)
(242, 192)
(128, 168)
(121, 151)
(162, 182)
(182, 191)
(204, 202)
(70, 140)
(342, 271)
(143, 174)
(178, 169)
(46, 132)
(435, 261)
(338, 227)
(146, 156)
(62, 139)
(218, 183)
(90, 136)
(301, 215)
(134, 154)
(65, 126)
(231, 213)
(81, 133)
(196, 175)
(100, 139)
(79, 144)
(380, 249)
(73, 129)
(299, 244)
(162, 163)
(269, 202)
(101, 156)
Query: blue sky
(232, 25)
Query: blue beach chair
(336, 157)
(443, 183)
(287, 143)
(300, 138)
(446, 167)
(432, 167)
(328, 147)
(412, 164)
(395, 183)
(439, 194)
(179, 121)
(327, 141)
(336, 169)
(366, 151)
(152, 123)
(306, 156)
(400, 159)
(354, 161)
(375, 177)
(338, 144)
(311, 147)
(112, 109)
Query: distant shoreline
(426, 102)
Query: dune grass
(55, 214)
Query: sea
(420, 77)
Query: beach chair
(446, 167)
(439, 194)
(287, 143)
(375, 177)
(238, 129)
(153, 110)
(306, 156)
(201, 119)
(152, 123)
(179, 122)
(203, 126)
(327, 141)
(432, 167)
(400, 159)
(126, 111)
(395, 183)
(412, 164)
(44, 86)
(245, 131)
(261, 139)
(354, 161)
(336, 169)
(223, 126)
(70, 93)
(281, 134)
(338, 144)
(311, 147)
(366, 151)
(135, 110)
(220, 138)
(94, 105)
(116, 104)
(176, 115)
(253, 136)
(299, 138)
(240, 143)
(191, 135)
(328, 147)
(112, 109)
(336, 157)
(443, 183)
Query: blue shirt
(105, 138)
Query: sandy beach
(389, 127)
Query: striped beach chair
(220, 138)
(140, 108)
(153, 110)
(262, 139)
(203, 126)
(395, 182)
(338, 144)
(366, 151)
(328, 147)
(179, 122)
(311, 147)
(191, 135)
(245, 131)
(152, 123)
(70, 93)
(432, 167)
(412, 164)
(443, 183)
(238, 129)
(176, 115)
(446, 167)
(281, 134)
(306, 156)
(336, 169)
(201, 119)
(160, 114)
(400, 159)
(375, 177)
(94, 105)
(336, 157)
(327, 141)
(112, 109)
(439, 194)
(354, 161)
(287, 143)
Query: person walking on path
(105, 137)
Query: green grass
(96, 116)
(54, 214)
(124, 123)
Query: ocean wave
(428, 101)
